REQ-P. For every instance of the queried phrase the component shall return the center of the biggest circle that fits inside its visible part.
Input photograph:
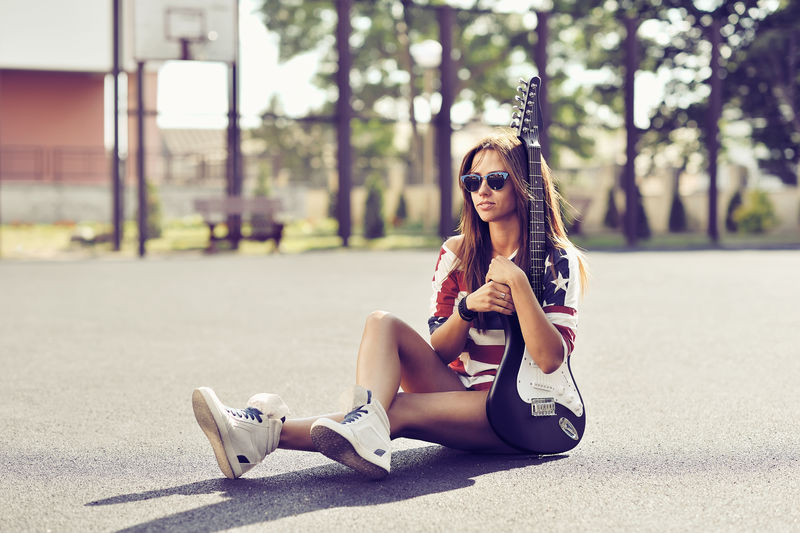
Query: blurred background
(119, 118)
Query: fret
(537, 233)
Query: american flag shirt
(477, 364)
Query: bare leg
(393, 354)
(435, 407)
(296, 433)
(454, 419)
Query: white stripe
(491, 337)
(562, 320)
(469, 381)
(473, 367)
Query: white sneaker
(361, 441)
(241, 438)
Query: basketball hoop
(199, 30)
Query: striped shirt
(477, 364)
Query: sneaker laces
(250, 413)
(354, 415)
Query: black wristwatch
(466, 314)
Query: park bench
(261, 212)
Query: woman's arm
(491, 296)
(450, 338)
(542, 339)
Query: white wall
(73, 35)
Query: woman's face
(491, 205)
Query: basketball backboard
(203, 30)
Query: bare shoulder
(455, 244)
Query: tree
(763, 84)
(491, 49)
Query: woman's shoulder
(454, 245)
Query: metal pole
(141, 179)
(234, 139)
(344, 114)
(629, 174)
(116, 209)
(713, 132)
(444, 127)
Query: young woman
(480, 274)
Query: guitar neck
(537, 227)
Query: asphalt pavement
(688, 363)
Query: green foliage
(259, 223)
(373, 210)
(401, 213)
(733, 205)
(490, 52)
(333, 202)
(762, 84)
(642, 223)
(678, 221)
(153, 224)
(296, 147)
(611, 218)
(756, 214)
(263, 185)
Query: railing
(56, 164)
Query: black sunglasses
(495, 180)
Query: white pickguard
(532, 383)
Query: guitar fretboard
(537, 227)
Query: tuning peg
(514, 124)
(519, 99)
(521, 89)
(523, 81)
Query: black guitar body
(528, 409)
(511, 417)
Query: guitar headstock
(526, 117)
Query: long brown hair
(476, 248)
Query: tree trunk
(629, 173)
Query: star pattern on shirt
(560, 282)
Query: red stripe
(458, 366)
(559, 309)
(568, 335)
(438, 260)
(446, 298)
(491, 354)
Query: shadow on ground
(415, 472)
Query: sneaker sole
(336, 447)
(205, 417)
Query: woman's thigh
(421, 369)
(456, 419)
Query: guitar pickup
(543, 407)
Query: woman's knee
(381, 319)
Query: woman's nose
(484, 189)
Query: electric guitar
(528, 409)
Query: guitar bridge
(543, 407)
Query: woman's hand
(505, 271)
(491, 296)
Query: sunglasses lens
(471, 182)
(495, 180)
